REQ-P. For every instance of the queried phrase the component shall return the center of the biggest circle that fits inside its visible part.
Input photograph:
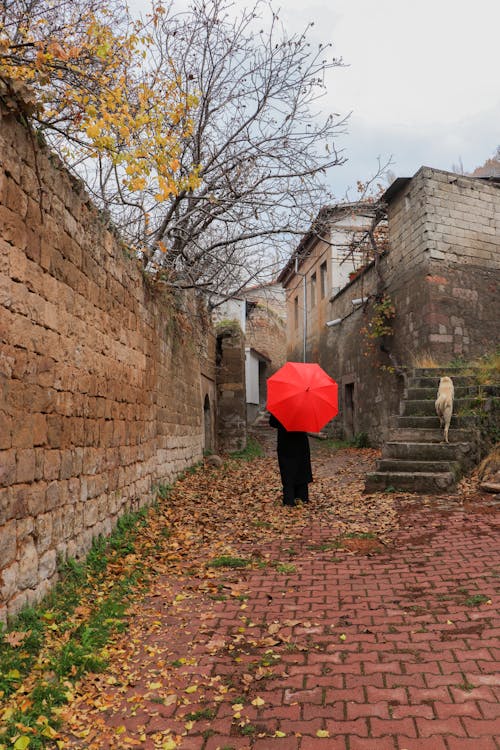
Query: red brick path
(326, 650)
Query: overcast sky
(421, 80)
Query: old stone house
(260, 313)
(433, 288)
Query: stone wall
(266, 332)
(463, 215)
(231, 394)
(100, 374)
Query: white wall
(252, 376)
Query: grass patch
(227, 561)
(269, 659)
(285, 568)
(253, 450)
(337, 445)
(204, 713)
(325, 546)
(360, 535)
(476, 600)
(360, 440)
(62, 645)
(466, 685)
(262, 524)
(248, 730)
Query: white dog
(444, 404)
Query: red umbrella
(302, 396)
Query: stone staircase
(415, 457)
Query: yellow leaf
(154, 685)
(189, 725)
(48, 731)
(342, 636)
(237, 706)
(22, 743)
(258, 701)
(192, 689)
(322, 733)
(279, 734)
(169, 745)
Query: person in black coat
(294, 459)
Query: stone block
(7, 467)
(40, 434)
(47, 564)
(6, 423)
(16, 603)
(90, 512)
(22, 431)
(12, 228)
(52, 495)
(25, 469)
(66, 470)
(36, 498)
(52, 464)
(8, 543)
(43, 532)
(54, 431)
(28, 565)
(24, 529)
(9, 582)
(7, 505)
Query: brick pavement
(326, 650)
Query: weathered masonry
(107, 387)
(441, 272)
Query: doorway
(207, 420)
(349, 410)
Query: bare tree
(258, 144)
(213, 187)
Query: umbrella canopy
(302, 396)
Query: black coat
(294, 456)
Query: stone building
(260, 313)
(438, 275)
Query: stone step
(432, 422)
(459, 381)
(462, 452)
(429, 482)
(420, 394)
(423, 407)
(417, 467)
(261, 420)
(427, 435)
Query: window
(296, 311)
(323, 279)
(313, 290)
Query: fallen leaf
(16, 637)
(322, 733)
(258, 701)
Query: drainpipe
(304, 284)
